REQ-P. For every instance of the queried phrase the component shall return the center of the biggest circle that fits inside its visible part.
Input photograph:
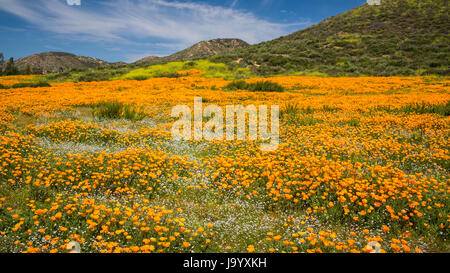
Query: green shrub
(290, 113)
(261, 86)
(130, 113)
(189, 65)
(31, 85)
(290, 109)
(424, 108)
(110, 110)
(293, 114)
(237, 85)
(267, 86)
(42, 84)
(116, 110)
(168, 75)
(139, 78)
(418, 108)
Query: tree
(2, 61)
(27, 70)
(10, 69)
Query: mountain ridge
(57, 62)
(54, 62)
(200, 50)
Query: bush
(290, 113)
(290, 109)
(168, 75)
(293, 114)
(42, 84)
(31, 85)
(266, 86)
(419, 108)
(111, 110)
(189, 65)
(237, 85)
(139, 78)
(424, 108)
(261, 86)
(130, 113)
(116, 110)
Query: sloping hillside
(53, 62)
(399, 37)
(147, 60)
(204, 49)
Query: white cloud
(127, 21)
(74, 2)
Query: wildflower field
(360, 160)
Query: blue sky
(127, 30)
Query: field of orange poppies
(363, 166)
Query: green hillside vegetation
(210, 70)
(399, 37)
(131, 72)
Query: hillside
(204, 49)
(399, 37)
(146, 60)
(53, 62)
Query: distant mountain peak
(147, 59)
(203, 49)
(54, 62)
